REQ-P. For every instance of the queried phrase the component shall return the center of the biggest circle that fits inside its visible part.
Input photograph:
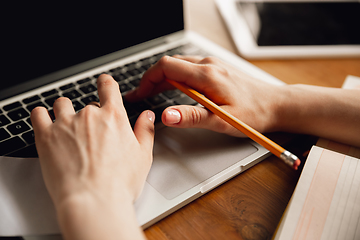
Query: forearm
(331, 113)
(88, 218)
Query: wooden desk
(250, 205)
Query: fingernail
(172, 116)
(151, 116)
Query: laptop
(60, 50)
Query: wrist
(299, 108)
(287, 107)
(88, 200)
(278, 109)
(85, 216)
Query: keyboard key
(130, 110)
(156, 100)
(52, 114)
(145, 60)
(135, 82)
(28, 120)
(153, 60)
(185, 101)
(72, 94)
(4, 134)
(133, 72)
(11, 145)
(29, 137)
(88, 88)
(50, 101)
(129, 105)
(117, 69)
(89, 99)
(18, 127)
(26, 152)
(141, 106)
(77, 105)
(158, 56)
(133, 109)
(146, 66)
(18, 114)
(172, 93)
(12, 106)
(82, 81)
(190, 49)
(120, 77)
(4, 120)
(32, 106)
(174, 51)
(31, 99)
(124, 87)
(130, 66)
(98, 75)
(67, 86)
(49, 93)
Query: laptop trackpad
(183, 158)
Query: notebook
(59, 49)
(325, 203)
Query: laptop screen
(39, 39)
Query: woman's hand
(331, 113)
(93, 163)
(252, 101)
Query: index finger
(167, 67)
(109, 92)
(40, 119)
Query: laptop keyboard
(16, 133)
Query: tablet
(293, 29)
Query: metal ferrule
(288, 157)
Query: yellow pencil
(274, 148)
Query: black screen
(38, 39)
(308, 23)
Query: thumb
(144, 129)
(184, 116)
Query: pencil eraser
(296, 164)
